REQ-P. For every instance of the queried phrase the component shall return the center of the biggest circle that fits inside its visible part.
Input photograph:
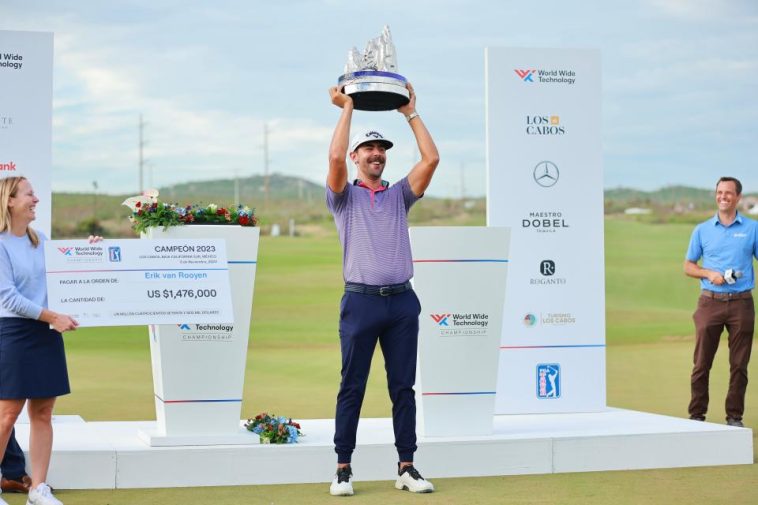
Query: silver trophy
(371, 78)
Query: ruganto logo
(8, 167)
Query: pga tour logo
(114, 254)
(548, 381)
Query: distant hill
(670, 198)
(289, 198)
(75, 214)
(251, 190)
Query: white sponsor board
(199, 369)
(137, 282)
(459, 275)
(26, 112)
(545, 181)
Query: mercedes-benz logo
(546, 174)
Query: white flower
(152, 194)
(132, 201)
(213, 208)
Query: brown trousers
(711, 317)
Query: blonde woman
(32, 357)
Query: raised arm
(336, 179)
(421, 174)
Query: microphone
(731, 275)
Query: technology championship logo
(206, 332)
(455, 324)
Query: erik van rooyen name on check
(138, 282)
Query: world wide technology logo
(453, 324)
(548, 381)
(66, 251)
(546, 76)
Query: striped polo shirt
(373, 230)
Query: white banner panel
(26, 112)
(460, 276)
(545, 181)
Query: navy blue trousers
(12, 466)
(393, 322)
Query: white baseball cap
(369, 136)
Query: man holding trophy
(371, 218)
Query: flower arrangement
(274, 429)
(148, 211)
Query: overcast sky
(680, 80)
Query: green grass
(293, 369)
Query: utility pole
(463, 181)
(265, 166)
(93, 229)
(141, 155)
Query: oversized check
(137, 282)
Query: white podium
(459, 276)
(199, 369)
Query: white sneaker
(2, 502)
(342, 485)
(41, 495)
(409, 479)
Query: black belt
(726, 296)
(392, 289)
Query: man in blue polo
(727, 244)
(378, 304)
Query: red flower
(138, 204)
(243, 220)
(220, 212)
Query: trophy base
(373, 90)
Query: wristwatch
(412, 115)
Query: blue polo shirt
(723, 247)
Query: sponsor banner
(459, 277)
(26, 111)
(545, 181)
(551, 380)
